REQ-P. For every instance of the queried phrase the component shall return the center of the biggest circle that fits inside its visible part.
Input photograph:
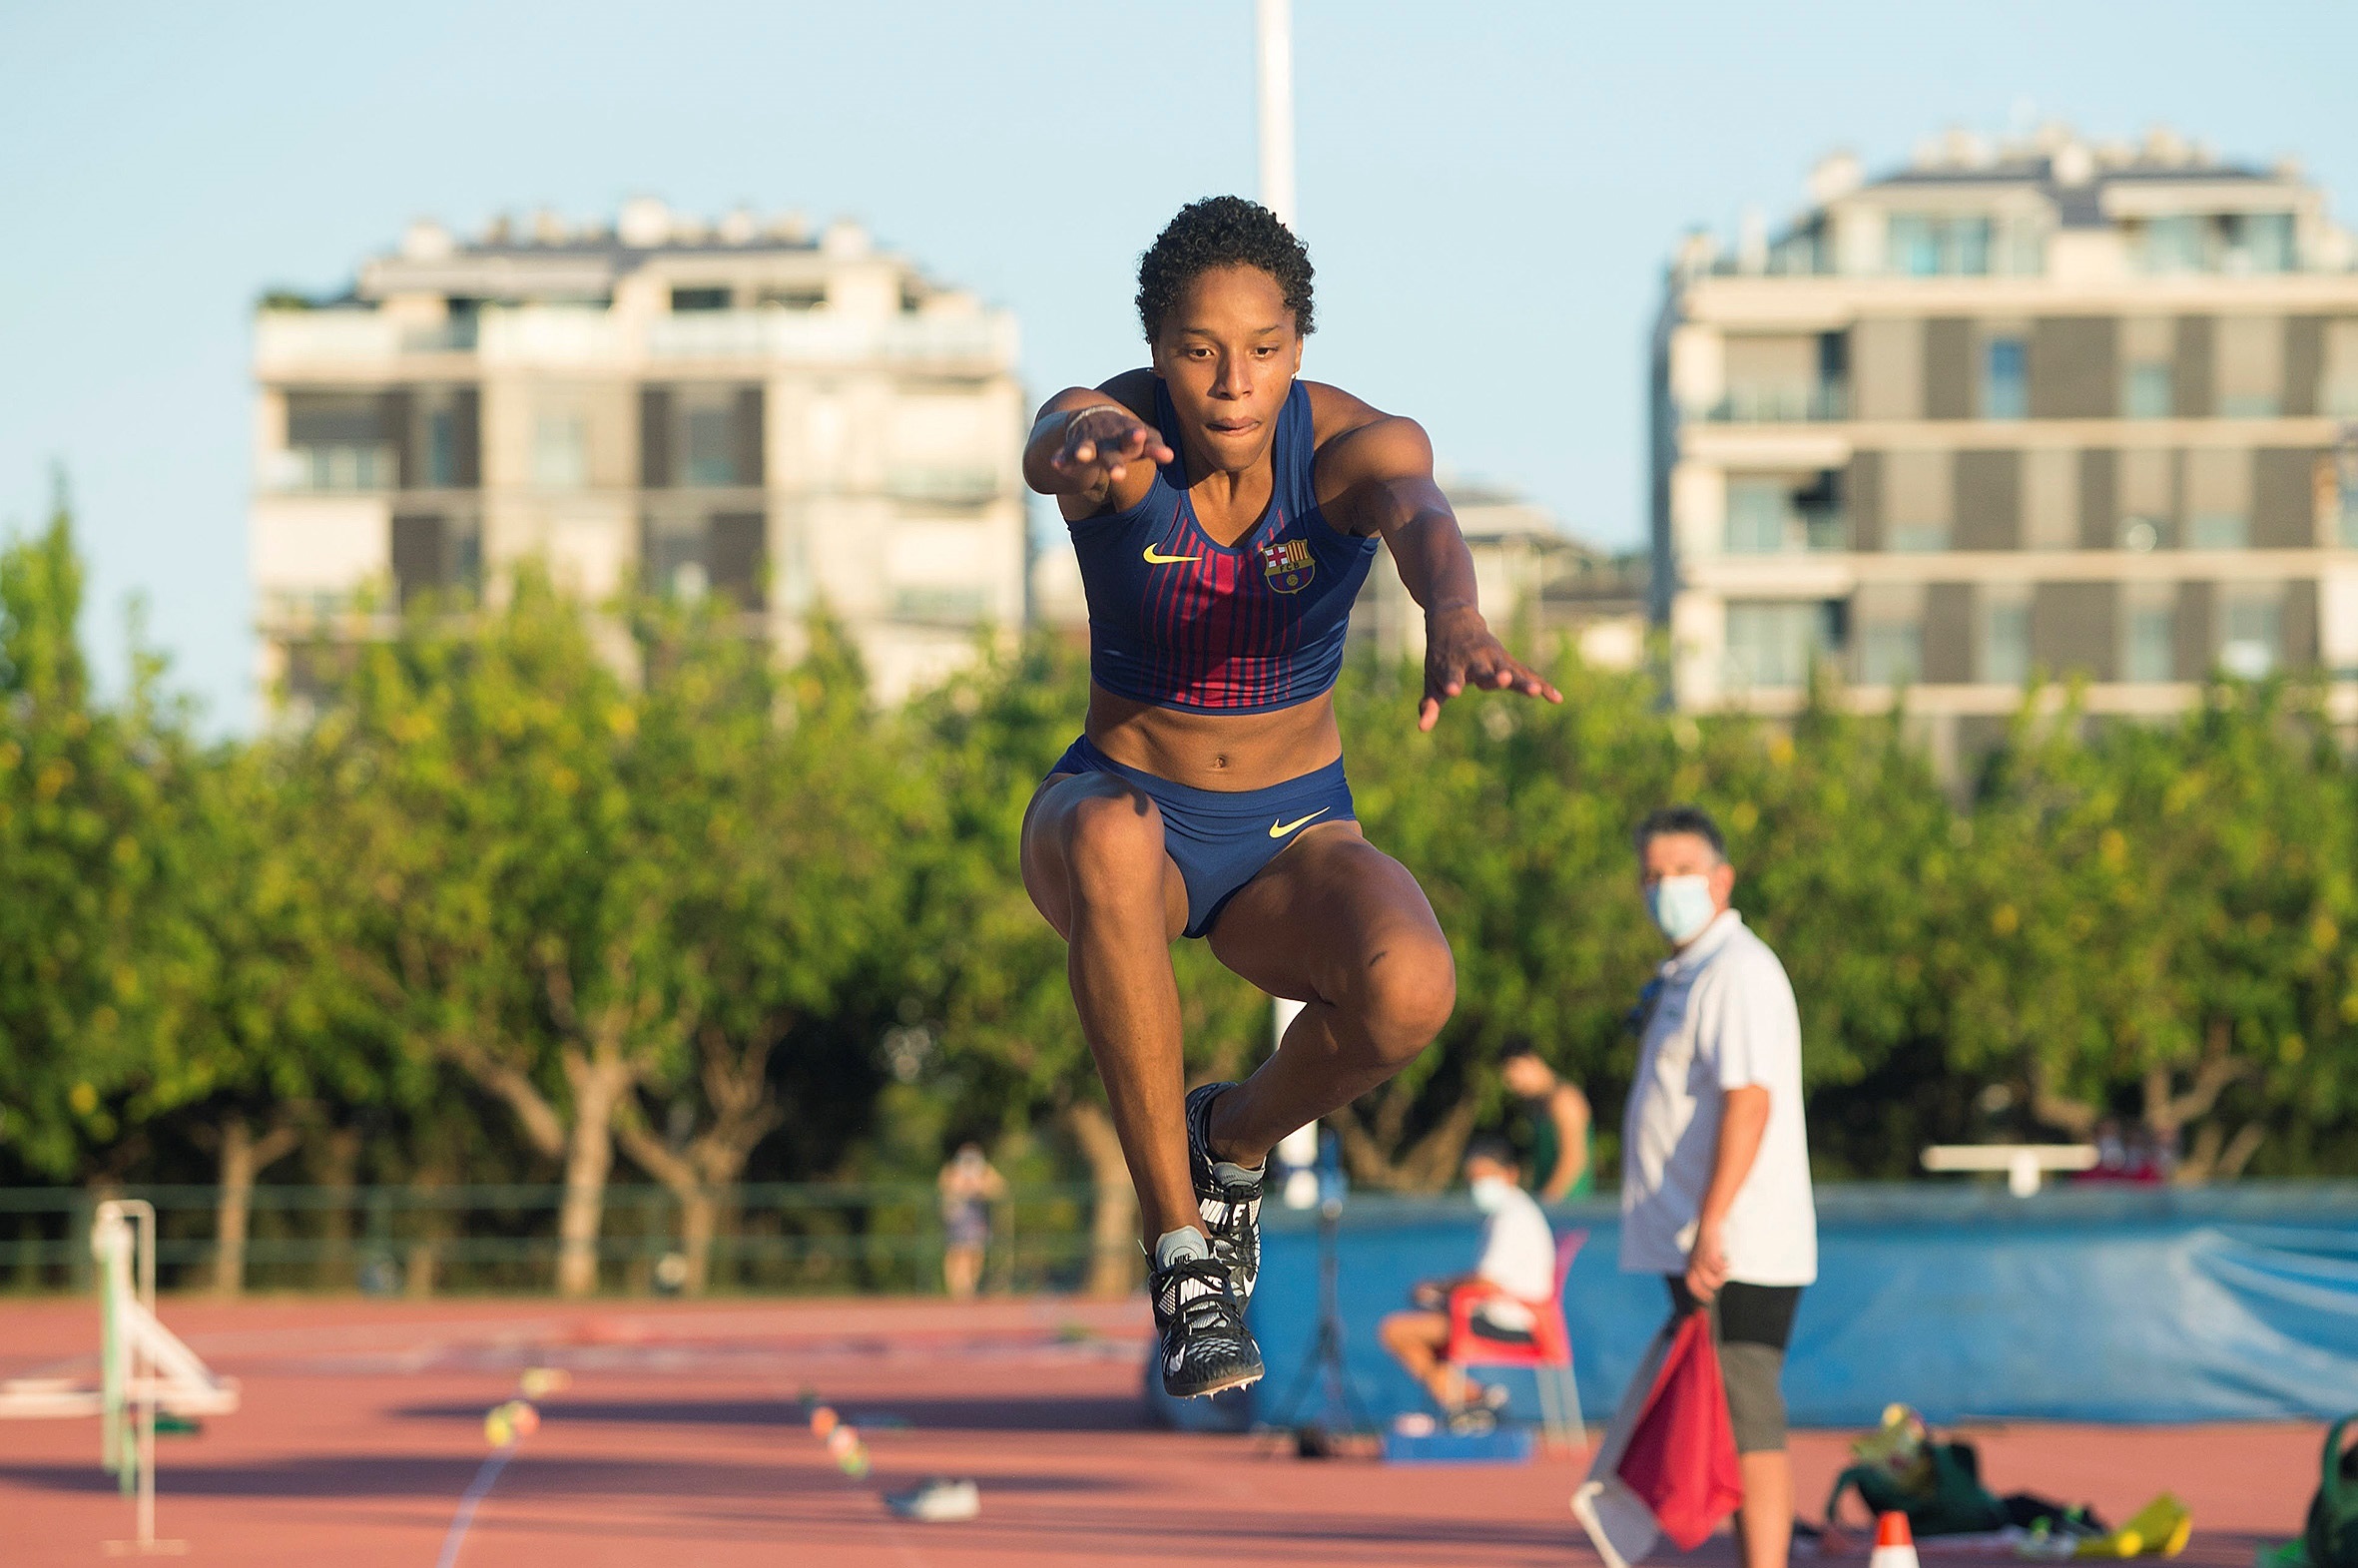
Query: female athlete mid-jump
(1225, 514)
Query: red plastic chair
(1549, 1354)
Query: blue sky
(1488, 191)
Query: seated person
(1516, 1270)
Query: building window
(1891, 652)
(2217, 531)
(2251, 646)
(2348, 530)
(1756, 515)
(441, 449)
(1914, 246)
(435, 554)
(1968, 239)
(1917, 538)
(560, 451)
(711, 455)
(2172, 244)
(1777, 514)
(1774, 644)
(2005, 382)
(1923, 246)
(2260, 241)
(807, 297)
(2005, 643)
(336, 467)
(2146, 392)
(700, 299)
(2150, 642)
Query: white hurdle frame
(142, 1367)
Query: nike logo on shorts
(1280, 829)
(1153, 559)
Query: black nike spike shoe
(1231, 1210)
(1205, 1345)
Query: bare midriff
(1215, 750)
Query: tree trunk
(697, 1211)
(678, 1173)
(1113, 1225)
(2076, 1118)
(430, 1222)
(340, 1173)
(704, 1176)
(1425, 1166)
(243, 1158)
(598, 1085)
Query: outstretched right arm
(1090, 450)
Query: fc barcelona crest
(1286, 564)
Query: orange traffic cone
(1895, 1547)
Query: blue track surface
(2093, 1304)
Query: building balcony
(1824, 403)
(343, 468)
(819, 338)
(298, 342)
(955, 486)
(1795, 533)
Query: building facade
(791, 421)
(2040, 408)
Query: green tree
(2167, 910)
(85, 910)
(786, 814)
(506, 908)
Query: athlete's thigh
(1062, 805)
(1308, 926)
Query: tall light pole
(1275, 52)
(1274, 55)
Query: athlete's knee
(1112, 842)
(1408, 991)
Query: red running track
(681, 1443)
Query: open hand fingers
(1523, 678)
(1108, 438)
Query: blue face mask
(1681, 907)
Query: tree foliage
(534, 884)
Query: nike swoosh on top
(1280, 829)
(1165, 560)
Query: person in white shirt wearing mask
(1715, 1179)
(1516, 1268)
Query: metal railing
(1827, 401)
(770, 1237)
(287, 341)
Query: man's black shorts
(1752, 1322)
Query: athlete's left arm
(1383, 470)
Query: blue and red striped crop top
(1178, 620)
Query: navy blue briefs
(1222, 838)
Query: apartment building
(734, 408)
(2040, 406)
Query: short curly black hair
(1221, 231)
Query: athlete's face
(1229, 355)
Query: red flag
(1681, 1458)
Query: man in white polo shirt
(1715, 1178)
